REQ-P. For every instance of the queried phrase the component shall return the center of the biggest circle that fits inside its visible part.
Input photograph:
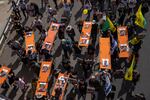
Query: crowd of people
(86, 76)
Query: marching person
(15, 9)
(82, 88)
(67, 47)
(22, 85)
(80, 25)
(51, 12)
(23, 8)
(67, 9)
(70, 32)
(77, 50)
(37, 23)
(56, 5)
(44, 3)
(11, 78)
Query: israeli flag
(108, 86)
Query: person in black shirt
(70, 31)
(77, 50)
(80, 25)
(82, 87)
(94, 32)
(56, 5)
(11, 78)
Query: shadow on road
(78, 14)
(125, 88)
(58, 51)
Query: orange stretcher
(49, 40)
(45, 71)
(42, 83)
(85, 35)
(4, 71)
(29, 42)
(105, 54)
(61, 82)
(123, 42)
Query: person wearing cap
(70, 32)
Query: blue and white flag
(108, 86)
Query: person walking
(15, 9)
(21, 84)
(56, 5)
(23, 8)
(82, 88)
(66, 46)
(11, 78)
(44, 3)
(70, 31)
(37, 23)
(77, 50)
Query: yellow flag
(140, 20)
(111, 25)
(134, 41)
(129, 72)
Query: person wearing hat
(70, 31)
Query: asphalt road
(10, 59)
